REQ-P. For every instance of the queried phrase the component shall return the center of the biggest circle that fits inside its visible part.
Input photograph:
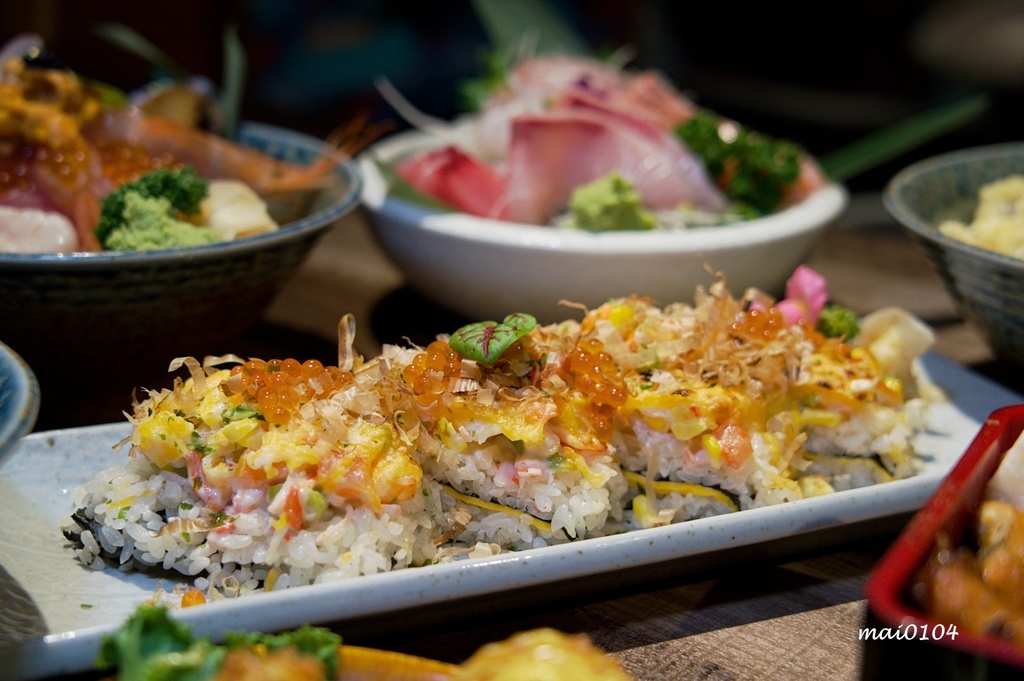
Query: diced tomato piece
(293, 509)
(736, 445)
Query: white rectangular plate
(54, 612)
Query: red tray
(928, 648)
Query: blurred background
(795, 70)
(821, 77)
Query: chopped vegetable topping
(838, 321)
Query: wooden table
(785, 612)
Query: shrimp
(212, 156)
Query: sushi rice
(248, 476)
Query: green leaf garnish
(485, 342)
(317, 642)
(754, 169)
(474, 92)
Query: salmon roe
(127, 162)
(593, 371)
(431, 371)
(279, 387)
(760, 325)
(192, 597)
(64, 166)
(68, 167)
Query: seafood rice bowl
(253, 475)
(127, 238)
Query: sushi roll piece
(261, 476)
(745, 410)
(519, 442)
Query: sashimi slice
(531, 86)
(456, 178)
(553, 153)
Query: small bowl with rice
(966, 209)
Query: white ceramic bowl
(486, 269)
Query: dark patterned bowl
(988, 287)
(86, 317)
(19, 399)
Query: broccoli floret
(753, 169)
(838, 321)
(183, 188)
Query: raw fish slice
(69, 182)
(648, 95)
(553, 153)
(531, 87)
(458, 179)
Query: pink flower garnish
(806, 295)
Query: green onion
(890, 142)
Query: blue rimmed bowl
(85, 319)
(19, 399)
(988, 287)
